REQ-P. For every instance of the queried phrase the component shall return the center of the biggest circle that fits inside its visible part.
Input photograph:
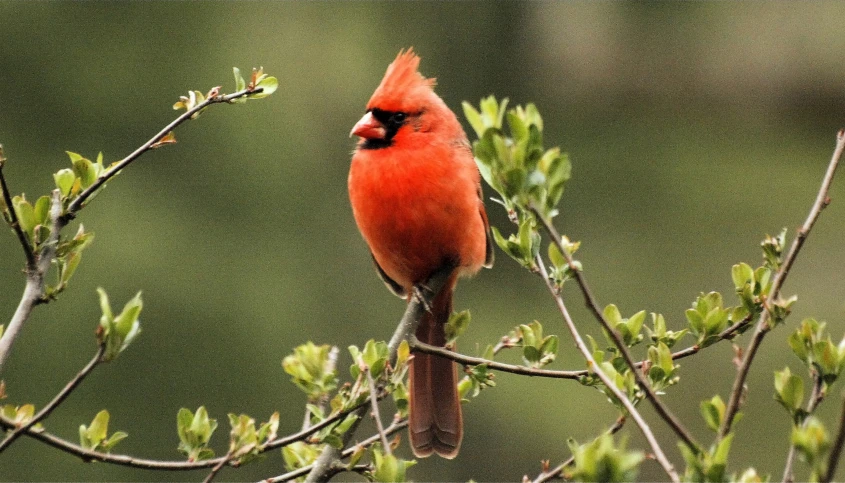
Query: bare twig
(13, 217)
(558, 470)
(816, 397)
(593, 306)
(60, 397)
(321, 469)
(390, 430)
(610, 384)
(466, 360)
(763, 325)
(213, 473)
(376, 415)
(79, 202)
(836, 450)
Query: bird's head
(403, 106)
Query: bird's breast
(418, 210)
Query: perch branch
(417, 304)
(390, 430)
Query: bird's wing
(394, 287)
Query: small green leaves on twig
(388, 468)
(195, 430)
(94, 437)
(299, 455)
(813, 443)
(773, 250)
(517, 166)
(537, 351)
(522, 246)
(68, 256)
(789, 392)
(560, 269)
(602, 460)
(629, 328)
(311, 368)
(713, 412)
(658, 332)
(245, 441)
(815, 348)
(707, 466)
(19, 415)
(457, 325)
(708, 318)
(260, 85)
(117, 332)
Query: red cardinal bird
(416, 196)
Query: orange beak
(369, 128)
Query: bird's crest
(403, 88)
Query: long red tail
(435, 422)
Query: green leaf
(713, 412)
(742, 274)
(474, 118)
(64, 179)
(85, 171)
(240, 83)
(789, 390)
(457, 325)
(269, 84)
(25, 213)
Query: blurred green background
(694, 129)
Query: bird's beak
(369, 128)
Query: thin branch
(60, 397)
(836, 450)
(610, 384)
(223, 461)
(558, 470)
(376, 415)
(148, 464)
(407, 326)
(33, 292)
(466, 360)
(763, 325)
(13, 217)
(78, 203)
(390, 430)
(593, 306)
(816, 397)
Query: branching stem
(836, 450)
(60, 397)
(593, 306)
(610, 384)
(763, 326)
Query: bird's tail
(435, 422)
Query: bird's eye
(399, 117)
